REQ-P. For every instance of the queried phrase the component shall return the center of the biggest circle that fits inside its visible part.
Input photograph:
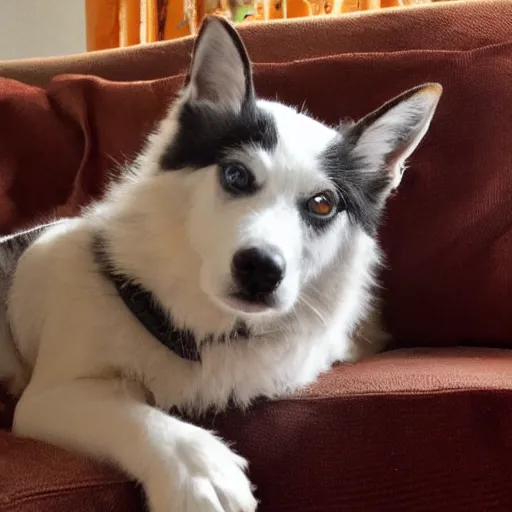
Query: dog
(234, 259)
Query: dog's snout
(258, 270)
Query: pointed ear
(388, 136)
(221, 70)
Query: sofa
(425, 425)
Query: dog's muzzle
(257, 272)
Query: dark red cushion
(411, 430)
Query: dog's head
(270, 192)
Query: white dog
(233, 260)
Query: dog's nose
(258, 270)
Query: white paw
(204, 475)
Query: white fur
(100, 383)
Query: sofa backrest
(448, 232)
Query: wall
(41, 28)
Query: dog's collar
(146, 308)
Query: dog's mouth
(250, 304)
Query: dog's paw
(205, 476)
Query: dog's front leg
(182, 467)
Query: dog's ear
(221, 70)
(387, 137)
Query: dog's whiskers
(307, 303)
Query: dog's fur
(92, 379)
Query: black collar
(150, 313)
(146, 308)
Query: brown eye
(322, 205)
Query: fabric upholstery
(412, 429)
(425, 430)
(460, 25)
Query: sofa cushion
(37, 477)
(447, 233)
(422, 430)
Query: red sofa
(425, 426)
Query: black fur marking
(151, 314)
(360, 189)
(208, 130)
(360, 186)
(206, 133)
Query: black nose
(258, 270)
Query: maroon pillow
(447, 234)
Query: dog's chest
(243, 372)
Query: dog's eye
(322, 205)
(237, 179)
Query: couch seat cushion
(423, 430)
